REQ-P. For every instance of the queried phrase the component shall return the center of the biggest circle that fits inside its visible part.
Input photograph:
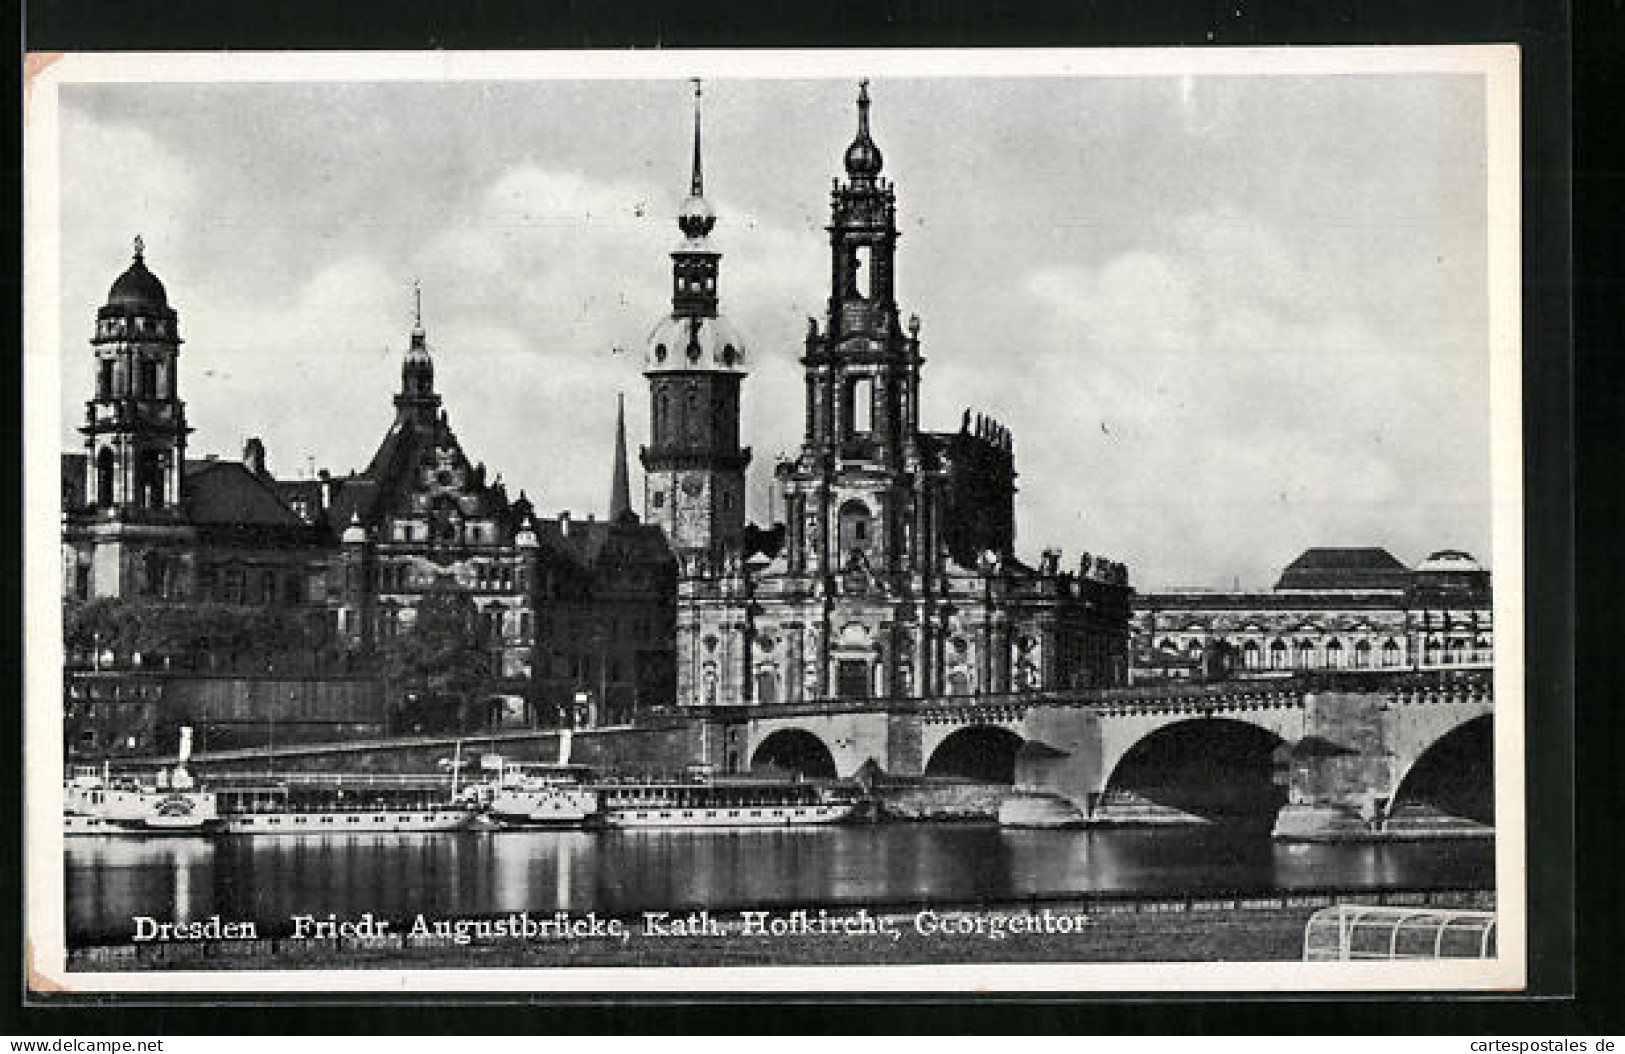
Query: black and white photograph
(769, 521)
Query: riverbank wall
(1094, 929)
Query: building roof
(1344, 569)
(1261, 600)
(226, 493)
(589, 543)
(137, 291)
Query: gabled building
(422, 516)
(576, 618)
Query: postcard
(730, 521)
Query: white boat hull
(761, 816)
(341, 821)
(551, 807)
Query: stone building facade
(140, 519)
(895, 573)
(575, 619)
(1331, 609)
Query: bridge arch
(1455, 774)
(1217, 768)
(986, 753)
(794, 750)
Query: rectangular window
(852, 679)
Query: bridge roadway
(1342, 746)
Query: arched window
(1362, 654)
(147, 379)
(662, 405)
(860, 406)
(767, 686)
(691, 415)
(864, 277)
(149, 479)
(1390, 653)
(155, 575)
(105, 469)
(1303, 654)
(1277, 656)
(856, 528)
(1250, 655)
(104, 379)
(1334, 654)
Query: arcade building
(1332, 609)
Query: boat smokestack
(180, 779)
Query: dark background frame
(1543, 29)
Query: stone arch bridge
(1316, 754)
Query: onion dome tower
(135, 428)
(694, 467)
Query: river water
(267, 880)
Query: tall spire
(696, 217)
(863, 160)
(418, 342)
(697, 185)
(620, 490)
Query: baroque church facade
(894, 574)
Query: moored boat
(168, 802)
(701, 800)
(528, 796)
(321, 806)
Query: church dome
(354, 534)
(1450, 560)
(863, 160)
(681, 343)
(696, 217)
(138, 290)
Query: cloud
(1226, 318)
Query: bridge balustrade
(1403, 687)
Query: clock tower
(694, 467)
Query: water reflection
(111, 879)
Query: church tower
(417, 403)
(849, 495)
(694, 467)
(135, 428)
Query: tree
(442, 656)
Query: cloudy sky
(1227, 317)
